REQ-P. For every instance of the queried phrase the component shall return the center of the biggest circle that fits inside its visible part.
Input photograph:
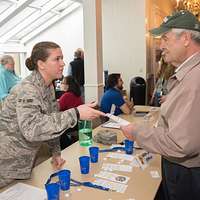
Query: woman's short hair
(73, 85)
(112, 80)
(40, 52)
(6, 59)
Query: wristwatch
(77, 113)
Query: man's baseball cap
(182, 19)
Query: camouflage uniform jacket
(28, 118)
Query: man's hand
(130, 105)
(163, 99)
(128, 131)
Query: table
(141, 185)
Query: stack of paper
(21, 191)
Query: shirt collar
(186, 66)
(39, 81)
(116, 89)
(5, 69)
(185, 62)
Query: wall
(124, 44)
(166, 7)
(68, 33)
(156, 10)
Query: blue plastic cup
(53, 191)
(64, 179)
(129, 146)
(84, 164)
(94, 154)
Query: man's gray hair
(6, 59)
(195, 35)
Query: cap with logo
(182, 19)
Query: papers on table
(154, 174)
(21, 191)
(135, 163)
(118, 182)
(143, 159)
(144, 109)
(117, 167)
(118, 187)
(113, 177)
(139, 160)
(120, 156)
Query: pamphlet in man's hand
(111, 124)
(118, 120)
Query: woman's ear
(40, 64)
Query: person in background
(176, 138)
(70, 99)
(72, 96)
(76, 69)
(8, 78)
(30, 115)
(113, 100)
(160, 91)
(57, 86)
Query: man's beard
(120, 87)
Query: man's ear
(40, 64)
(187, 39)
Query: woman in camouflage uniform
(30, 115)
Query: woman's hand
(87, 112)
(57, 162)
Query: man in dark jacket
(76, 69)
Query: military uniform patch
(29, 100)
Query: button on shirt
(8, 79)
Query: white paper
(113, 177)
(144, 158)
(117, 145)
(116, 167)
(21, 191)
(118, 187)
(154, 174)
(111, 124)
(135, 163)
(118, 120)
(112, 110)
(120, 156)
(136, 145)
